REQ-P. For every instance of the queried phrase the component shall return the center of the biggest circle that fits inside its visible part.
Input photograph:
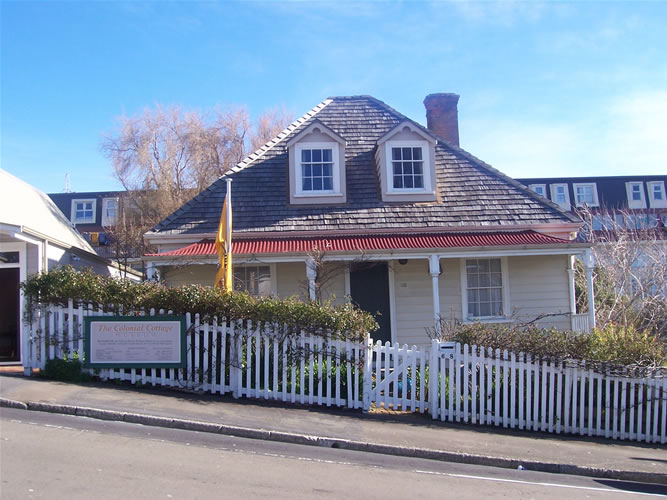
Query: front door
(9, 315)
(369, 288)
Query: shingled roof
(471, 194)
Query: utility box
(447, 350)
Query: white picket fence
(237, 358)
(479, 386)
(459, 384)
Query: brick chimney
(442, 116)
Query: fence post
(433, 377)
(368, 375)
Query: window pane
(307, 171)
(397, 168)
(407, 182)
(326, 182)
(307, 184)
(418, 167)
(317, 170)
(395, 153)
(419, 181)
(416, 153)
(398, 182)
(317, 184)
(407, 168)
(305, 155)
(326, 155)
(407, 153)
(494, 265)
(326, 170)
(317, 155)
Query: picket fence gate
(466, 384)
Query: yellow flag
(223, 245)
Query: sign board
(135, 342)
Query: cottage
(355, 201)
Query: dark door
(9, 314)
(369, 288)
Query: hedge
(58, 286)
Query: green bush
(613, 346)
(64, 370)
(118, 295)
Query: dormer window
(83, 211)
(316, 166)
(656, 193)
(635, 194)
(405, 164)
(560, 196)
(586, 194)
(315, 174)
(540, 189)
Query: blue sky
(547, 89)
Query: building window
(109, 211)
(603, 222)
(408, 168)
(635, 192)
(560, 196)
(586, 194)
(83, 211)
(540, 189)
(484, 289)
(256, 280)
(9, 257)
(406, 164)
(317, 169)
(656, 190)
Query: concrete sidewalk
(390, 433)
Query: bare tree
(166, 155)
(630, 273)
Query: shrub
(64, 370)
(119, 295)
(611, 347)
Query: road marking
(536, 483)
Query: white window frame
(565, 205)
(543, 187)
(271, 269)
(426, 167)
(84, 220)
(651, 194)
(505, 292)
(106, 222)
(594, 192)
(335, 170)
(632, 203)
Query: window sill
(316, 194)
(487, 319)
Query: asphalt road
(55, 456)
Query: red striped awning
(370, 242)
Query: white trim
(534, 187)
(505, 294)
(22, 266)
(427, 166)
(565, 205)
(651, 185)
(335, 169)
(391, 278)
(85, 220)
(595, 202)
(105, 218)
(273, 276)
